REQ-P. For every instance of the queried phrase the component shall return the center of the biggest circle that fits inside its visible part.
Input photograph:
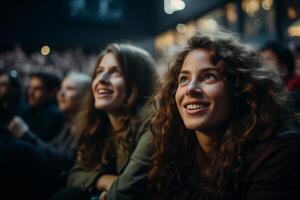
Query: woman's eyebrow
(98, 67)
(210, 67)
(110, 68)
(201, 71)
(184, 72)
(115, 67)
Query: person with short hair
(43, 116)
(281, 58)
(61, 150)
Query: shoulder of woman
(276, 154)
(142, 120)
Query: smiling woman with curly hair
(222, 128)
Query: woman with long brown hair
(219, 126)
(113, 125)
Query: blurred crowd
(58, 63)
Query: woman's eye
(98, 72)
(116, 72)
(183, 79)
(209, 77)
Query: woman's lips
(193, 108)
(103, 92)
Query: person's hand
(105, 181)
(18, 127)
(103, 195)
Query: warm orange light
(164, 40)
(267, 4)
(294, 31)
(231, 13)
(251, 6)
(291, 12)
(208, 24)
(45, 50)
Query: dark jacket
(25, 172)
(273, 171)
(61, 150)
(45, 121)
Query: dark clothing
(45, 121)
(71, 193)
(25, 172)
(294, 100)
(273, 171)
(61, 150)
(7, 113)
(294, 84)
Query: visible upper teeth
(194, 106)
(101, 91)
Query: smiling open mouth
(196, 106)
(104, 91)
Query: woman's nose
(104, 77)
(194, 87)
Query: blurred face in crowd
(68, 97)
(4, 85)
(37, 93)
(202, 96)
(269, 58)
(108, 86)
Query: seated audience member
(114, 152)
(42, 116)
(222, 129)
(281, 58)
(61, 149)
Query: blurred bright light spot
(251, 6)
(168, 10)
(209, 24)
(181, 28)
(292, 12)
(170, 6)
(294, 30)
(164, 40)
(13, 73)
(45, 50)
(178, 4)
(267, 4)
(231, 13)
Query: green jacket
(132, 181)
(132, 168)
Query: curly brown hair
(181, 169)
(93, 126)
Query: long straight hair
(93, 125)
